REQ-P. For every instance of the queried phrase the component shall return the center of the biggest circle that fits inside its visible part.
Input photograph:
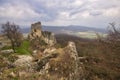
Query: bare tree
(12, 32)
(114, 33)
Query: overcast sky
(91, 13)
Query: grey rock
(7, 51)
(24, 61)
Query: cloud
(112, 12)
(95, 13)
(18, 12)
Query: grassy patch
(24, 48)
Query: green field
(90, 34)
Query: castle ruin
(37, 33)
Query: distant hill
(64, 29)
(79, 31)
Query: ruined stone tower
(37, 33)
(36, 27)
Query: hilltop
(44, 55)
(40, 57)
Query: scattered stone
(35, 52)
(22, 73)
(12, 74)
(7, 51)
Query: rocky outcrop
(48, 62)
(49, 37)
(37, 34)
(77, 73)
(61, 64)
(54, 64)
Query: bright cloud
(17, 12)
(93, 13)
(112, 12)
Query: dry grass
(102, 60)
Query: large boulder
(24, 61)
